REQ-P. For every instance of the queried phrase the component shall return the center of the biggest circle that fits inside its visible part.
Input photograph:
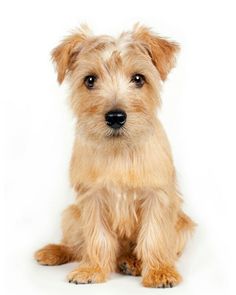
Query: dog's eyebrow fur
(111, 51)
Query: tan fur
(129, 265)
(55, 255)
(163, 277)
(128, 208)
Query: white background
(199, 114)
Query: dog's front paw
(87, 275)
(163, 277)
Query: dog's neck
(144, 163)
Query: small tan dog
(127, 215)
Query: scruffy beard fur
(127, 215)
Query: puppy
(127, 215)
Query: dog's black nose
(115, 118)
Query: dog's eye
(89, 81)
(138, 79)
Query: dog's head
(115, 83)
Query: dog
(127, 215)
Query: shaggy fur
(127, 215)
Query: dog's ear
(162, 51)
(66, 52)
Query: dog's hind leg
(70, 248)
(127, 261)
(53, 254)
(184, 228)
(129, 264)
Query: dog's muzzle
(115, 118)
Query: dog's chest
(143, 168)
(124, 211)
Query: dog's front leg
(155, 243)
(100, 243)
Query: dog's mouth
(116, 133)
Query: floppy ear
(162, 52)
(65, 53)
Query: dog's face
(115, 83)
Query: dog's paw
(87, 275)
(129, 265)
(164, 277)
(52, 255)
